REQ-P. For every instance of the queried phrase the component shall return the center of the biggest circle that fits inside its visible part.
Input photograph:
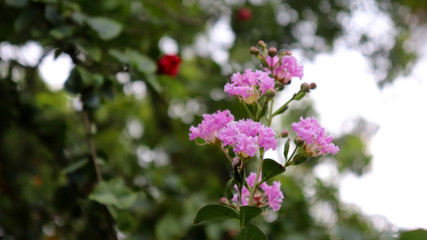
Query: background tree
(132, 124)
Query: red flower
(168, 65)
(244, 14)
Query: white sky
(395, 187)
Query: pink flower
(247, 136)
(274, 195)
(266, 195)
(286, 69)
(210, 126)
(314, 136)
(249, 86)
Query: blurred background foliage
(154, 178)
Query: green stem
(288, 163)
(256, 184)
(270, 111)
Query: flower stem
(289, 162)
(258, 174)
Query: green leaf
(281, 110)
(300, 159)
(247, 213)
(250, 232)
(216, 212)
(120, 56)
(299, 96)
(105, 28)
(74, 166)
(74, 82)
(271, 168)
(140, 62)
(239, 177)
(286, 150)
(418, 234)
(152, 81)
(115, 193)
(61, 32)
(17, 3)
(228, 188)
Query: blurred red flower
(244, 14)
(169, 65)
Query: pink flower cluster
(210, 126)
(247, 136)
(316, 141)
(249, 86)
(286, 69)
(270, 195)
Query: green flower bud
(284, 134)
(270, 93)
(298, 141)
(305, 87)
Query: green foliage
(247, 213)
(114, 193)
(216, 212)
(250, 232)
(270, 169)
(157, 179)
(417, 234)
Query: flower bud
(298, 141)
(289, 53)
(284, 134)
(305, 87)
(272, 51)
(313, 85)
(270, 93)
(236, 161)
(254, 51)
(262, 44)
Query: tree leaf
(140, 62)
(247, 213)
(250, 232)
(74, 82)
(286, 150)
(418, 234)
(105, 28)
(115, 193)
(74, 166)
(228, 188)
(299, 96)
(300, 159)
(271, 168)
(216, 212)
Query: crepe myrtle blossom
(210, 126)
(267, 195)
(286, 69)
(247, 136)
(316, 141)
(249, 86)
